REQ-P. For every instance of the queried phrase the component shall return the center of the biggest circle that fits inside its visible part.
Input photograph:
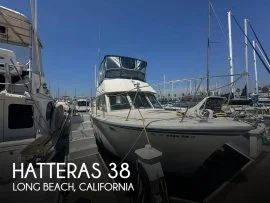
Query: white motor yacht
(127, 116)
(27, 109)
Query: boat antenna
(246, 54)
(99, 41)
(98, 52)
(208, 45)
(35, 14)
(95, 76)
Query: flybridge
(114, 66)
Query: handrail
(18, 65)
(2, 83)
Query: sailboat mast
(190, 87)
(231, 51)
(95, 77)
(208, 45)
(164, 86)
(172, 88)
(246, 53)
(255, 68)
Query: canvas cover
(15, 28)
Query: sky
(170, 35)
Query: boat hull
(182, 152)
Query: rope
(145, 132)
(133, 102)
(242, 75)
(268, 70)
(221, 27)
(139, 136)
(218, 20)
(258, 41)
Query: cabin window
(49, 111)
(2, 30)
(20, 116)
(119, 102)
(101, 103)
(128, 63)
(112, 63)
(140, 100)
(154, 101)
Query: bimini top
(114, 66)
(14, 27)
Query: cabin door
(1, 120)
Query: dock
(83, 149)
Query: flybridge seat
(114, 66)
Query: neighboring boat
(212, 104)
(264, 101)
(65, 101)
(27, 109)
(126, 104)
(83, 105)
(184, 103)
(64, 104)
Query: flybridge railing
(8, 81)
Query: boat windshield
(118, 102)
(83, 103)
(140, 100)
(154, 101)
